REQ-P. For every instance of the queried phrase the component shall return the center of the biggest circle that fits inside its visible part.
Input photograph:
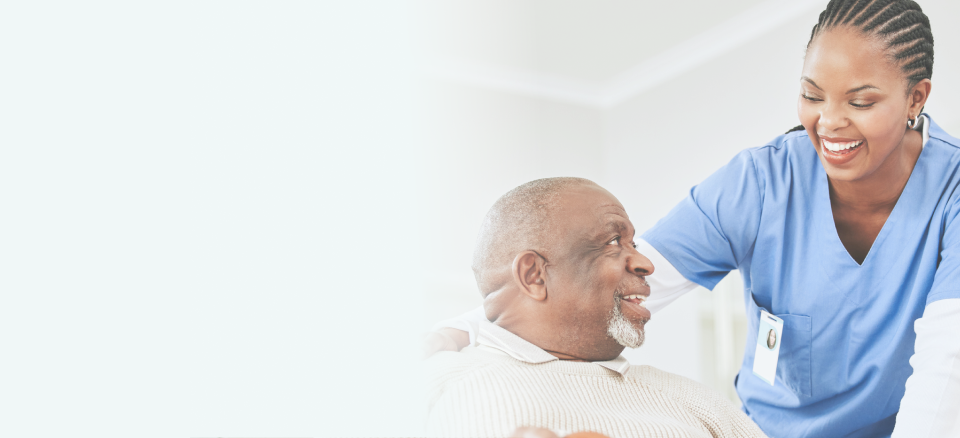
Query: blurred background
(645, 98)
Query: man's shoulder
(654, 375)
(674, 385)
(716, 413)
(450, 372)
(469, 358)
(446, 368)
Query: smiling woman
(866, 71)
(843, 228)
(853, 104)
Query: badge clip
(768, 347)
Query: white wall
(944, 103)
(482, 144)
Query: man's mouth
(634, 305)
(627, 320)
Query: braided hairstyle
(900, 24)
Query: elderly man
(564, 293)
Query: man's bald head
(520, 220)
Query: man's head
(556, 264)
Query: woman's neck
(881, 190)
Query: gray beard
(621, 329)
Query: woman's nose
(831, 118)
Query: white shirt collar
(493, 336)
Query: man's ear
(529, 274)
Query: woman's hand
(539, 432)
(445, 339)
(532, 432)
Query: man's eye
(615, 241)
(634, 244)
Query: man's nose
(638, 264)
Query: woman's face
(854, 104)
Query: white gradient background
(236, 218)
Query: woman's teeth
(837, 147)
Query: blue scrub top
(848, 328)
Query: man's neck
(564, 356)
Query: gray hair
(520, 220)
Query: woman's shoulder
(785, 145)
(783, 156)
(939, 135)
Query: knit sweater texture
(482, 392)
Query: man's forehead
(615, 219)
(590, 196)
(594, 210)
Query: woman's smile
(838, 151)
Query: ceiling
(584, 40)
(597, 53)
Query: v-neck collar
(839, 265)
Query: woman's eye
(811, 98)
(861, 104)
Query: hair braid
(900, 24)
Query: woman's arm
(667, 283)
(465, 323)
(931, 405)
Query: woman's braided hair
(901, 24)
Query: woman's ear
(529, 274)
(918, 97)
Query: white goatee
(621, 329)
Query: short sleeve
(946, 282)
(714, 228)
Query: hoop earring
(913, 123)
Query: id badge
(768, 347)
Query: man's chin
(633, 341)
(626, 332)
(635, 312)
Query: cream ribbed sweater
(481, 392)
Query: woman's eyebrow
(852, 90)
(804, 78)
(861, 88)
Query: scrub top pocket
(796, 349)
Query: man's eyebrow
(615, 225)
